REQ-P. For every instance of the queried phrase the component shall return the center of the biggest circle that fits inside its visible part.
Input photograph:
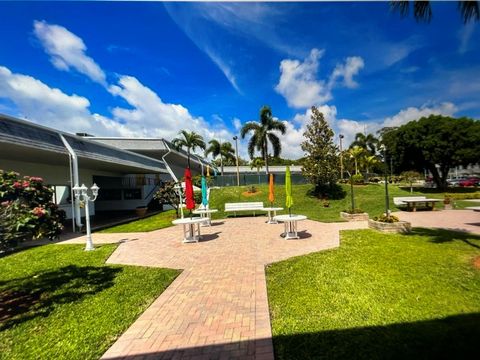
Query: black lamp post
(387, 205)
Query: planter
(141, 211)
(448, 206)
(396, 227)
(354, 217)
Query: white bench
(411, 202)
(399, 201)
(244, 206)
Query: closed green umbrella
(288, 190)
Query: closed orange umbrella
(271, 195)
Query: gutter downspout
(172, 174)
(77, 215)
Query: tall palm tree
(369, 161)
(189, 140)
(224, 150)
(367, 142)
(263, 133)
(422, 10)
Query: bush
(386, 219)
(197, 196)
(456, 196)
(358, 179)
(332, 191)
(27, 210)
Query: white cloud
(237, 124)
(347, 71)
(148, 116)
(300, 85)
(67, 50)
(414, 113)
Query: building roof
(23, 140)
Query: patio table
(270, 211)
(190, 234)
(290, 222)
(412, 204)
(206, 214)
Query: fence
(255, 179)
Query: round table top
(188, 220)
(272, 208)
(287, 217)
(205, 211)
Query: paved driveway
(217, 308)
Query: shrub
(27, 210)
(357, 179)
(330, 191)
(168, 194)
(197, 196)
(386, 219)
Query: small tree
(321, 162)
(411, 177)
(257, 163)
(169, 194)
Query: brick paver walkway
(459, 220)
(217, 308)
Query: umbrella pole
(290, 211)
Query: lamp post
(387, 205)
(236, 153)
(341, 156)
(81, 194)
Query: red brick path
(217, 308)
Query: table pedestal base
(290, 230)
(190, 234)
(271, 219)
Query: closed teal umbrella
(204, 192)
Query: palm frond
(400, 6)
(278, 126)
(469, 10)
(252, 144)
(422, 11)
(276, 144)
(249, 126)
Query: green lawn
(155, 222)
(370, 198)
(379, 297)
(60, 302)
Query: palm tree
(189, 140)
(356, 152)
(263, 133)
(257, 163)
(422, 10)
(224, 150)
(368, 162)
(369, 142)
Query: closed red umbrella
(189, 199)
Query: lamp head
(341, 136)
(94, 189)
(76, 191)
(235, 138)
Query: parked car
(471, 181)
(456, 181)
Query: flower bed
(390, 227)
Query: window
(109, 194)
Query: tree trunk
(188, 157)
(221, 163)
(356, 167)
(266, 156)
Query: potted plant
(354, 215)
(141, 211)
(325, 202)
(389, 224)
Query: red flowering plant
(27, 210)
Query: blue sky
(152, 69)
